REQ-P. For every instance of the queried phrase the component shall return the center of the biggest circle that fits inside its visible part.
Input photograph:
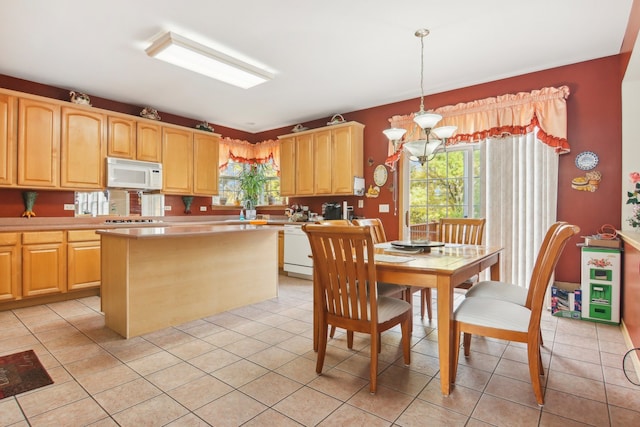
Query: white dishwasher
(297, 252)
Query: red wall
(594, 124)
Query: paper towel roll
(345, 212)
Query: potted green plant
(252, 186)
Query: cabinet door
(121, 137)
(9, 266)
(205, 164)
(177, 167)
(44, 263)
(83, 149)
(288, 167)
(347, 158)
(38, 144)
(323, 164)
(304, 164)
(149, 142)
(8, 116)
(83, 265)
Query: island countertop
(183, 230)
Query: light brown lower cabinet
(44, 263)
(83, 259)
(48, 264)
(9, 266)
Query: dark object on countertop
(332, 211)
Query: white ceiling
(329, 56)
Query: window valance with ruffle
(511, 114)
(245, 152)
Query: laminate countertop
(93, 223)
(184, 230)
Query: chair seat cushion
(493, 313)
(388, 308)
(498, 290)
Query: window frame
(472, 180)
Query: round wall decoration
(586, 160)
(380, 175)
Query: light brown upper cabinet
(121, 137)
(304, 164)
(326, 160)
(347, 159)
(38, 144)
(288, 166)
(177, 167)
(8, 117)
(83, 149)
(149, 142)
(206, 159)
(322, 156)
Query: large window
(229, 182)
(446, 186)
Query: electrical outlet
(383, 208)
(69, 207)
(360, 204)
(167, 208)
(203, 208)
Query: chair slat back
(541, 277)
(377, 229)
(541, 253)
(346, 283)
(467, 231)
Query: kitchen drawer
(42, 237)
(82, 236)
(8, 239)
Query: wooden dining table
(441, 268)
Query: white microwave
(133, 174)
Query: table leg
(495, 270)
(445, 332)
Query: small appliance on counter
(332, 210)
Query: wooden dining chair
(495, 318)
(508, 291)
(379, 236)
(345, 291)
(377, 232)
(334, 222)
(467, 231)
(377, 228)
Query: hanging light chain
(422, 33)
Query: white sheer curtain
(520, 192)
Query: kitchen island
(157, 277)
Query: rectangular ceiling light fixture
(194, 56)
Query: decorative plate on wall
(586, 160)
(380, 175)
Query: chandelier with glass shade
(429, 139)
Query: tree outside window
(446, 186)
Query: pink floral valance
(510, 114)
(245, 152)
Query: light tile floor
(254, 366)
